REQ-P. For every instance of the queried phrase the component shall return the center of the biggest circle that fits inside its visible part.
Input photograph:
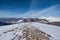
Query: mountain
(8, 21)
(54, 23)
(3, 23)
(29, 31)
(44, 20)
(52, 20)
(34, 20)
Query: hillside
(15, 31)
(54, 23)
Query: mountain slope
(9, 32)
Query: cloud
(51, 11)
(51, 19)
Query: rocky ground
(28, 32)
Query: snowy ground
(54, 31)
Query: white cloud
(38, 13)
(51, 11)
(51, 19)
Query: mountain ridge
(9, 21)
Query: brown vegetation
(31, 33)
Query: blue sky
(29, 8)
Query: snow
(49, 29)
(20, 21)
(54, 31)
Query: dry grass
(32, 33)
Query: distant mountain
(8, 21)
(52, 20)
(54, 23)
(2, 23)
(33, 20)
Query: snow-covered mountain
(14, 32)
(45, 20)
(33, 20)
